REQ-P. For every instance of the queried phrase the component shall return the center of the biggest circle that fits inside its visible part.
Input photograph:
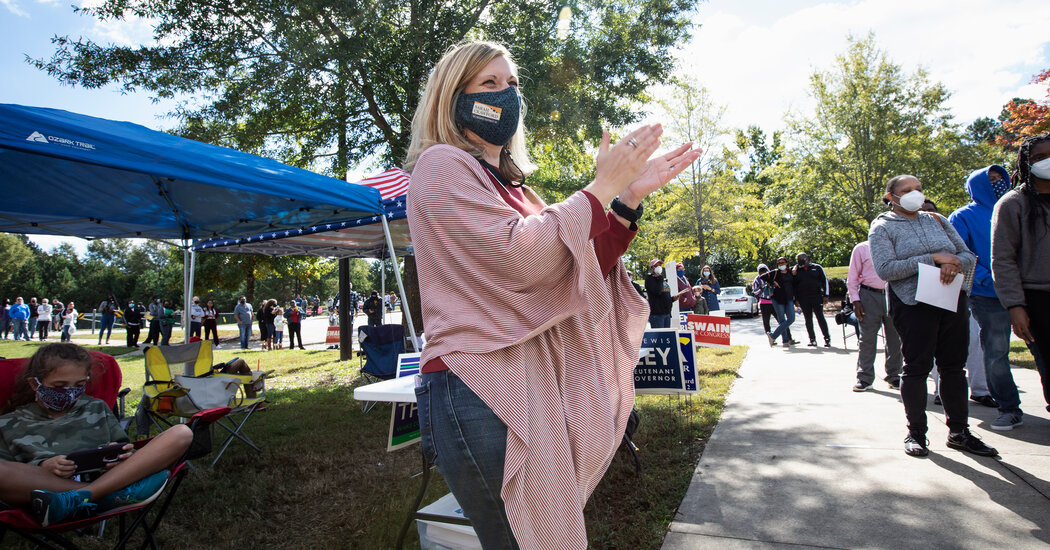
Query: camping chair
(105, 385)
(380, 347)
(169, 390)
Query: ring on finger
(633, 143)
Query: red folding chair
(105, 385)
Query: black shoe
(812, 343)
(914, 446)
(793, 342)
(986, 400)
(827, 342)
(936, 400)
(895, 385)
(861, 386)
(968, 442)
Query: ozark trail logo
(37, 137)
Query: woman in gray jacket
(900, 240)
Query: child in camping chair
(48, 417)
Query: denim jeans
(106, 325)
(785, 315)
(994, 321)
(468, 442)
(657, 320)
(246, 332)
(20, 329)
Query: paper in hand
(932, 291)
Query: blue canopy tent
(63, 173)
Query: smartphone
(93, 460)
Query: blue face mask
(493, 116)
(1000, 188)
(58, 399)
(681, 273)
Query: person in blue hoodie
(974, 224)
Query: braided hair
(1037, 217)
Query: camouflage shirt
(29, 434)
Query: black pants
(195, 329)
(133, 335)
(1037, 304)
(810, 307)
(41, 328)
(153, 336)
(295, 333)
(211, 327)
(930, 333)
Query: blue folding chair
(380, 347)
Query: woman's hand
(950, 264)
(59, 466)
(617, 166)
(1019, 319)
(657, 173)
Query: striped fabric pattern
(392, 183)
(519, 309)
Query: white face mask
(658, 270)
(1041, 169)
(912, 200)
(707, 274)
(782, 267)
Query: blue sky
(754, 56)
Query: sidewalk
(800, 461)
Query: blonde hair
(435, 119)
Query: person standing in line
(19, 314)
(710, 289)
(196, 317)
(69, 322)
(686, 301)
(33, 315)
(156, 311)
(900, 240)
(374, 310)
(1020, 252)
(352, 312)
(133, 317)
(167, 321)
(57, 308)
(5, 318)
(278, 328)
(261, 318)
(294, 316)
(43, 316)
(974, 224)
(782, 282)
(637, 287)
(243, 313)
(763, 291)
(210, 321)
(811, 293)
(109, 309)
(867, 293)
(659, 294)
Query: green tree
(871, 123)
(15, 253)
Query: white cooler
(434, 535)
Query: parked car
(736, 299)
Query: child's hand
(128, 450)
(59, 466)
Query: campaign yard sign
(332, 336)
(659, 368)
(404, 425)
(709, 330)
(407, 364)
(685, 340)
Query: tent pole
(400, 286)
(189, 260)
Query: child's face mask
(58, 399)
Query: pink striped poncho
(519, 309)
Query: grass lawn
(325, 480)
(1020, 355)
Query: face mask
(131, 304)
(493, 116)
(157, 300)
(58, 399)
(802, 262)
(1040, 169)
(912, 200)
(244, 301)
(196, 302)
(782, 267)
(681, 273)
(658, 271)
(1000, 188)
(707, 274)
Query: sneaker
(986, 400)
(812, 343)
(936, 400)
(1007, 422)
(216, 346)
(769, 335)
(914, 446)
(827, 342)
(142, 491)
(894, 384)
(793, 342)
(861, 386)
(49, 508)
(968, 442)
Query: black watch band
(626, 212)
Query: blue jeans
(658, 320)
(20, 329)
(994, 321)
(106, 325)
(469, 444)
(785, 315)
(246, 332)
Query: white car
(736, 299)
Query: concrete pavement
(798, 460)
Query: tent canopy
(68, 174)
(361, 238)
